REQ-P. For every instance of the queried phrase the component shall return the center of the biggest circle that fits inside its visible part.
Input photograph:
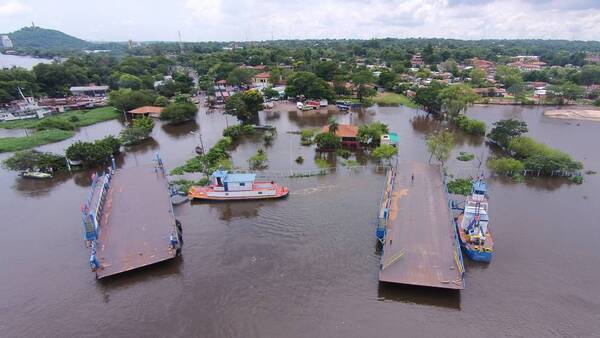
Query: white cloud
(11, 8)
(224, 20)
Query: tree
(127, 99)
(451, 66)
(240, 76)
(440, 146)
(428, 98)
(387, 79)
(130, 81)
(161, 101)
(362, 79)
(385, 151)
(178, 112)
(33, 159)
(245, 106)
(371, 133)
(505, 130)
(327, 141)
(333, 126)
(270, 93)
(258, 160)
(326, 70)
(309, 85)
(565, 92)
(93, 153)
(477, 76)
(457, 98)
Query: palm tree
(333, 126)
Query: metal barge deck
(129, 220)
(420, 245)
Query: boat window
(242, 184)
(260, 192)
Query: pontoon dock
(129, 220)
(420, 246)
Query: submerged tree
(245, 106)
(505, 130)
(440, 146)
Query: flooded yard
(308, 265)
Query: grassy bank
(393, 99)
(79, 118)
(36, 139)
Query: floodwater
(27, 62)
(307, 266)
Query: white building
(6, 42)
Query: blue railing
(458, 253)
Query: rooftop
(344, 130)
(147, 110)
(262, 75)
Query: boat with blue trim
(227, 186)
(473, 225)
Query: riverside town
(239, 169)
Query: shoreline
(575, 113)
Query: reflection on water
(308, 261)
(129, 278)
(181, 129)
(144, 146)
(419, 295)
(38, 188)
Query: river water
(307, 266)
(27, 62)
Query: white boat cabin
(224, 181)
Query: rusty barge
(128, 220)
(415, 227)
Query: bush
(133, 135)
(538, 156)
(94, 153)
(343, 153)
(306, 136)
(371, 133)
(385, 151)
(33, 159)
(238, 130)
(54, 123)
(179, 112)
(470, 126)
(258, 160)
(299, 159)
(460, 186)
(144, 123)
(327, 141)
(73, 119)
(216, 158)
(506, 166)
(465, 157)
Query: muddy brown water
(307, 266)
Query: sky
(247, 20)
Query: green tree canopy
(178, 112)
(505, 130)
(457, 98)
(440, 146)
(309, 85)
(245, 106)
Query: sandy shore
(574, 113)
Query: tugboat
(225, 186)
(473, 225)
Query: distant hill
(36, 37)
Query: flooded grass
(79, 118)
(33, 140)
(390, 99)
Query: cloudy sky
(241, 20)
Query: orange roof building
(347, 133)
(150, 111)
